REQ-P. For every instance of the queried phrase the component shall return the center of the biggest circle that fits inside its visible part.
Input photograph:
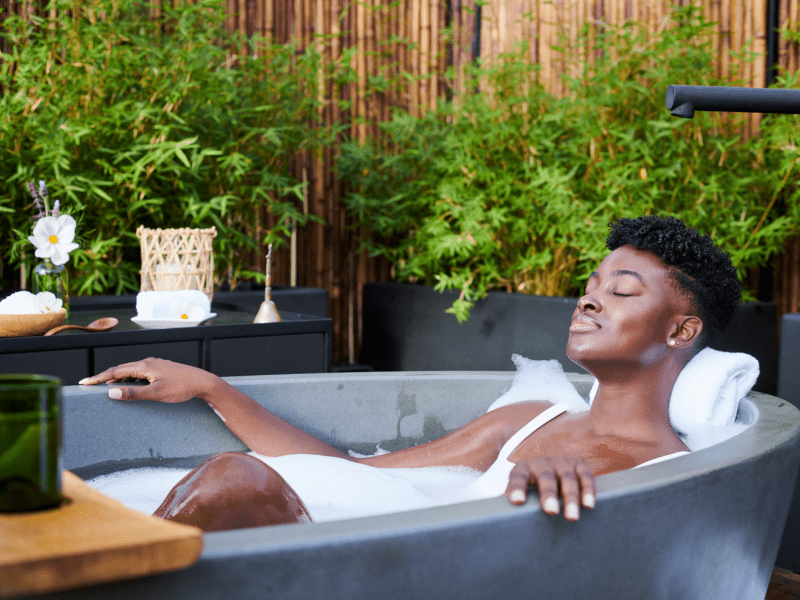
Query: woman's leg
(233, 491)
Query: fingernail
(551, 505)
(571, 512)
(517, 497)
(588, 500)
(115, 393)
(84, 380)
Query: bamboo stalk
(361, 73)
(574, 30)
(434, 53)
(547, 28)
(759, 71)
(792, 21)
(260, 26)
(458, 17)
(371, 48)
(424, 54)
(388, 57)
(652, 18)
(737, 25)
(269, 21)
(501, 10)
(242, 16)
(558, 31)
(414, 56)
(335, 56)
(725, 32)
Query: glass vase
(30, 443)
(48, 277)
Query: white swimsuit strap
(662, 458)
(519, 437)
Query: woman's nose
(588, 302)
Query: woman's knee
(233, 490)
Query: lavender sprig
(40, 201)
(37, 202)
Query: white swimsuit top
(495, 480)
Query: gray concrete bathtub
(706, 525)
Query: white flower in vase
(53, 237)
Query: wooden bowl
(22, 325)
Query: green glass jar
(30, 442)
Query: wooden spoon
(104, 324)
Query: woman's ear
(686, 331)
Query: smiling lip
(583, 323)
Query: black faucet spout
(683, 100)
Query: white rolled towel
(194, 304)
(708, 390)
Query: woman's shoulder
(509, 419)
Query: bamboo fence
(388, 39)
(376, 30)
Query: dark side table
(229, 344)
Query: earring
(672, 342)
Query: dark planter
(405, 328)
(789, 389)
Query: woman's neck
(634, 403)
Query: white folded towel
(194, 304)
(708, 390)
(541, 380)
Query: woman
(660, 296)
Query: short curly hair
(702, 271)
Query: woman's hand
(572, 476)
(169, 381)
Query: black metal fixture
(683, 100)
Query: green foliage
(512, 188)
(133, 121)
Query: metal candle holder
(267, 312)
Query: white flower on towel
(189, 311)
(189, 306)
(53, 237)
(47, 302)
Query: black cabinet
(228, 344)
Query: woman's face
(630, 309)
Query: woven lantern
(177, 259)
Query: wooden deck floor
(784, 585)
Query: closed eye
(623, 295)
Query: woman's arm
(254, 425)
(474, 445)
